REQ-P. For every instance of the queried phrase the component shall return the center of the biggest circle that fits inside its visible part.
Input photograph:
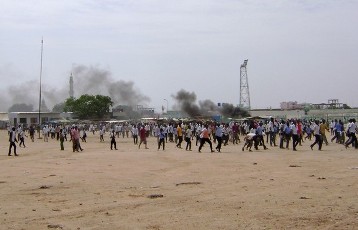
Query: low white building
(32, 118)
(4, 120)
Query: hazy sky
(298, 50)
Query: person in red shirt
(299, 132)
(235, 133)
(76, 139)
(143, 137)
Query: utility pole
(42, 45)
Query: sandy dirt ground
(131, 188)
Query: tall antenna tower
(71, 87)
(244, 87)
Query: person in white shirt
(317, 135)
(135, 134)
(271, 131)
(226, 134)
(101, 133)
(351, 133)
(170, 132)
(294, 135)
(116, 130)
(198, 132)
(45, 131)
(219, 135)
(331, 126)
(188, 133)
(22, 138)
(18, 131)
(12, 140)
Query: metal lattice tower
(244, 87)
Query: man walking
(351, 131)
(317, 135)
(12, 140)
(205, 138)
(219, 136)
(113, 140)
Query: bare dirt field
(131, 188)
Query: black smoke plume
(87, 80)
(186, 102)
(28, 93)
(229, 110)
(93, 80)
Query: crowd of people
(255, 133)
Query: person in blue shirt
(288, 134)
(337, 131)
(161, 136)
(260, 137)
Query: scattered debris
(154, 196)
(295, 166)
(45, 187)
(354, 168)
(321, 178)
(188, 183)
(57, 226)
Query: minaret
(71, 86)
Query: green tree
(345, 106)
(88, 106)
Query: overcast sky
(298, 50)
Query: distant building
(332, 104)
(290, 105)
(122, 112)
(4, 120)
(176, 114)
(31, 118)
(145, 112)
(221, 104)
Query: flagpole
(42, 45)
